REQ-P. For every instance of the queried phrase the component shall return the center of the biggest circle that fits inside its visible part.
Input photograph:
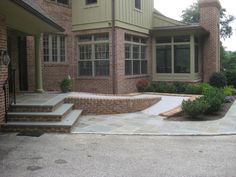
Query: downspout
(114, 83)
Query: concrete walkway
(144, 123)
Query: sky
(174, 8)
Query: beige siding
(162, 21)
(90, 17)
(130, 18)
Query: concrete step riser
(36, 108)
(37, 118)
(63, 126)
(36, 129)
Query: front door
(22, 56)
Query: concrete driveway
(55, 155)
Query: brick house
(106, 46)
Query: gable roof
(160, 20)
(35, 9)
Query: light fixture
(4, 57)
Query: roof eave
(38, 14)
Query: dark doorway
(23, 71)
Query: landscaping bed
(206, 117)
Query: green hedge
(178, 87)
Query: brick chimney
(210, 20)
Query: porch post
(38, 65)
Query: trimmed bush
(180, 87)
(142, 85)
(215, 98)
(163, 87)
(218, 80)
(193, 89)
(195, 108)
(205, 87)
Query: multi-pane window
(135, 55)
(173, 54)
(65, 2)
(54, 48)
(138, 4)
(89, 2)
(94, 55)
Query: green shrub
(180, 87)
(218, 80)
(215, 98)
(231, 78)
(229, 91)
(66, 84)
(142, 85)
(193, 89)
(195, 108)
(163, 87)
(205, 87)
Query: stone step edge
(69, 121)
(177, 110)
(55, 113)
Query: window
(54, 48)
(135, 55)
(138, 4)
(94, 55)
(65, 2)
(89, 2)
(173, 54)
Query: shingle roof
(35, 9)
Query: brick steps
(60, 113)
(63, 126)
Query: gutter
(38, 14)
(114, 80)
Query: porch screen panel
(163, 59)
(182, 58)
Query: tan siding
(89, 17)
(132, 18)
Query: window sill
(61, 4)
(136, 76)
(138, 10)
(93, 78)
(91, 6)
(55, 64)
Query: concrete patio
(144, 123)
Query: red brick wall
(3, 69)
(111, 106)
(127, 84)
(96, 84)
(210, 15)
(53, 72)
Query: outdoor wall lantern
(4, 57)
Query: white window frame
(93, 59)
(58, 48)
(132, 59)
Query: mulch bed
(208, 117)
